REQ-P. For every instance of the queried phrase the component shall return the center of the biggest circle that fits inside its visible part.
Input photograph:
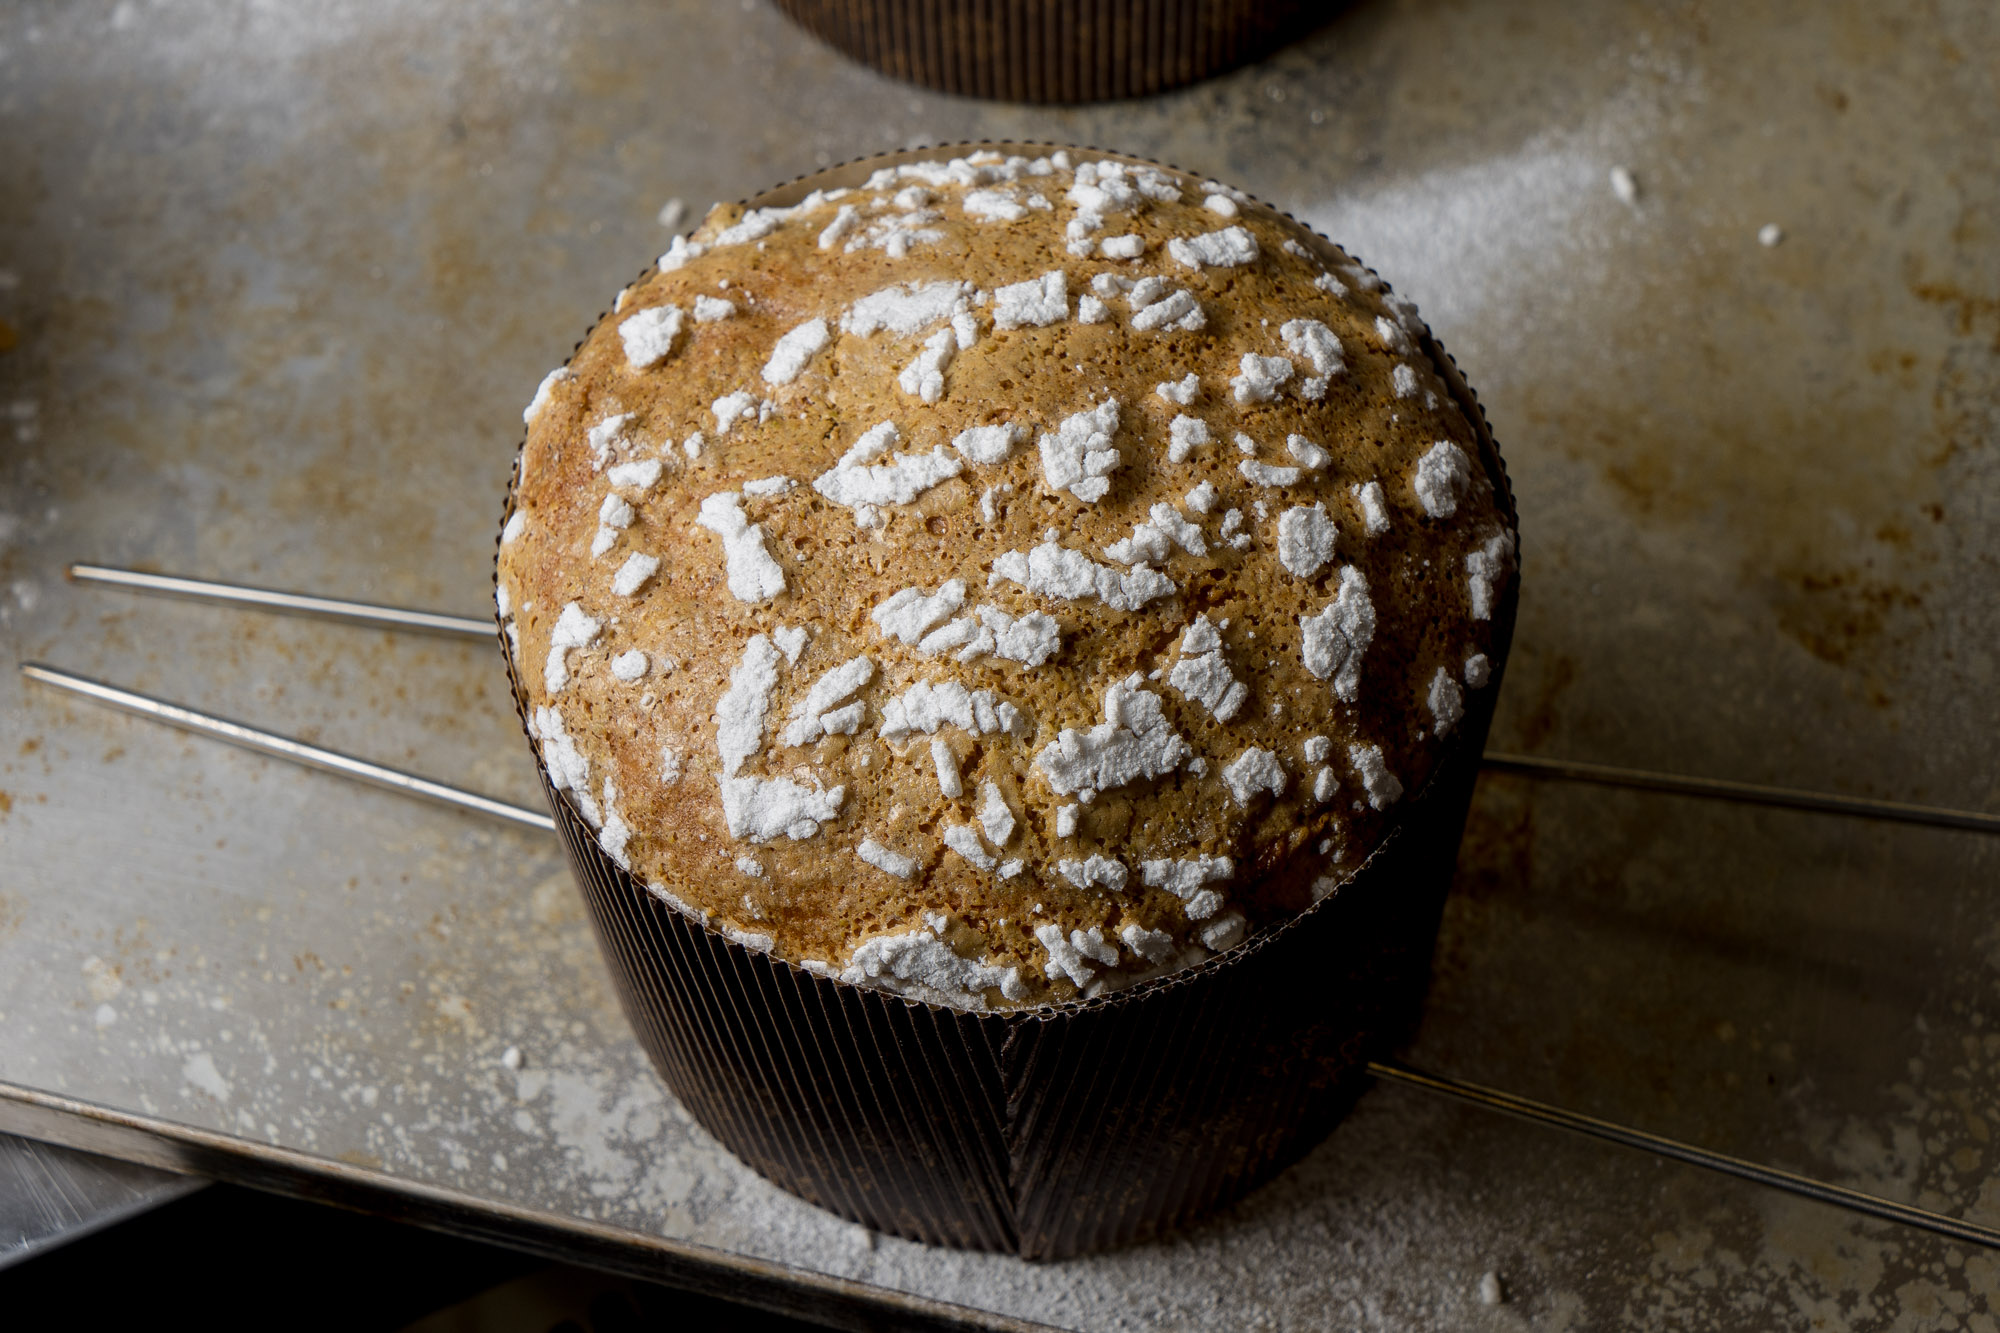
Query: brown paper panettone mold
(1076, 1121)
(1055, 50)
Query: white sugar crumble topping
(1035, 303)
(1305, 539)
(1403, 379)
(1090, 310)
(1067, 818)
(604, 437)
(517, 523)
(1374, 507)
(809, 716)
(791, 641)
(923, 378)
(1332, 642)
(1094, 869)
(1447, 702)
(1221, 204)
(886, 861)
(752, 574)
(1306, 454)
(760, 809)
(994, 205)
(1180, 392)
(1202, 498)
(629, 666)
(987, 445)
(1484, 569)
(1202, 673)
(1382, 786)
(1185, 434)
(768, 486)
(912, 613)
(927, 707)
(543, 392)
(1253, 771)
(1122, 247)
(679, 251)
(946, 764)
(1055, 571)
(922, 966)
(740, 406)
(1444, 475)
(1077, 456)
(709, 309)
(640, 476)
(739, 712)
(961, 838)
(1261, 378)
(1154, 540)
(1232, 531)
(1478, 670)
(1031, 639)
(573, 629)
(1231, 247)
(751, 866)
(1067, 961)
(905, 309)
(1268, 474)
(1225, 932)
(1177, 311)
(1394, 339)
(632, 575)
(613, 517)
(1325, 786)
(1185, 879)
(855, 481)
(1155, 946)
(567, 767)
(1315, 342)
(649, 336)
(794, 349)
(995, 819)
(1134, 741)
(1316, 749)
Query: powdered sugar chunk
(759, 809)
(1202, 498)
(1305, 539)
(1374, 507)
(988, 445)
(1447, 702)
(924, 377)
(1202, 674)
(629, 666)
(1186, 880)
(1066, 961)
(738, 406)
(1154, 946)
(904, 309)
(1122, 247)
(1306, 454)
(1253, 771)
(1485, 568)
(912, 613)
(1135, 741)
(573, 629)
(962, 838)
(834, 686)
(1094, 870)
(920, 965)
(1478, 670)
(709, 309)
(632, 575)
(543, 393)
(1383, 787)
(927, 707)
(603, 438)
(640, 476)
(1154, 540)
(1090, 310)
(1231, 247)
(649, 335)
(1178, 310)
(1268, 474)
(1444, 475)
(1035, 303)
(993, 205)
(1316, 343)
(946, 764)
(1180, 392)
(1077, 456)
(855, 482)
(1261, 378)
(1055, 571)
(845, 223)
(995, 819)
(887, 861)
(1332, 642)
(739, 712)
(567, 767)
(517, 523)
(794, 349)
(1185, 434)
(753, 575)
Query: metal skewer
(284, 747)
(312, 756)
(1720, 789)
(288, 603)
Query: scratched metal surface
(51, 1195)
(277, 284)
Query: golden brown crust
(813, 896)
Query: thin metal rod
(288, 603)
(1790, 1182)
(1724, 790)
(394, 617)
(284, 747)
(312, 756)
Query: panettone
(1004, 581)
